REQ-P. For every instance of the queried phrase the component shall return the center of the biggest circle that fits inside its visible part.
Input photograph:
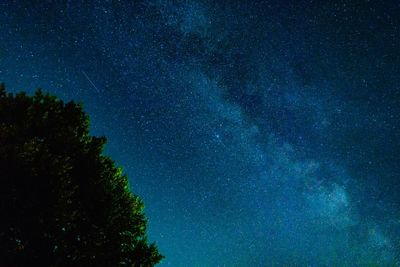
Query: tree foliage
(62, 202)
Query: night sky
(258, 133)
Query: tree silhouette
(63, 203)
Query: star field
(258, 133)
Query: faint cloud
(331, 205)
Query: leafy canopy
(62, 202)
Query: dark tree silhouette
(63, 203)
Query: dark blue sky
(258, 133)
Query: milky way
(258, 133)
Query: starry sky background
(257, 132)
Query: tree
(62, 202)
